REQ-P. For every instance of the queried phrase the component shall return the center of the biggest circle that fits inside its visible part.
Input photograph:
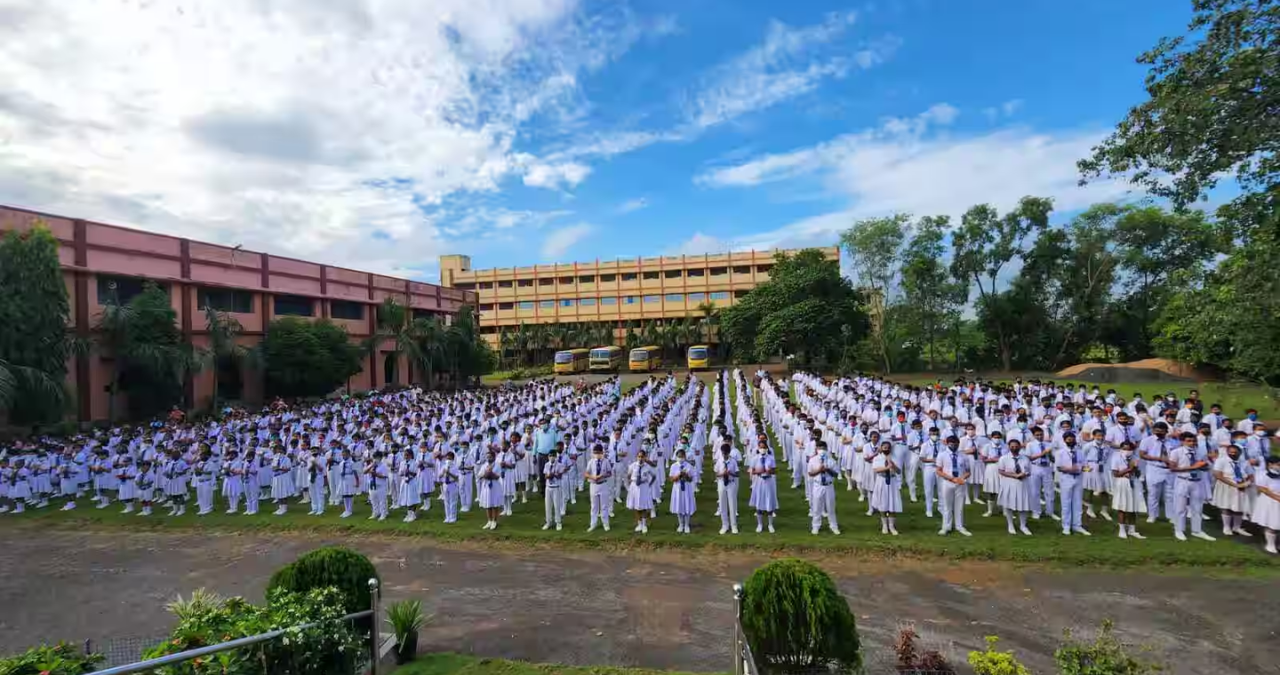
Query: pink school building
(99, 261)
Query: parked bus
(699, 357)
(571, 361)
(606, 359)
(645, 359)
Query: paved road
(654, 609)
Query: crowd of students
(1017, 448)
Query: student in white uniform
(379, 481)
(683, 502)
(1043, 488)
(1127, 499)
(726, 470)
(599, 476)
(205, 481)
(764, 485)
(953, 469)
(489, 476)
(146, 484)
(1015, 487)
(449, 486)
(409, 494)
(823, 469)
(1232, 477)
(1187, 469)
(553, 477)
(1266, 508)
(928, 456)
(1070, 465)
(1154, 450)
(640, 479)
(316, 476)
(886, 496)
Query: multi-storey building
(106, 262)
(612, 291)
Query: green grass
(860, 534)
(459, 664)
(1235, 398)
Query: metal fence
(123, 656)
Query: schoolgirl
(1015, 488)
(886, 496)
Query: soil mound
(1157, 370)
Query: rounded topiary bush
(331, 566)
(795, 620)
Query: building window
(742, 269)
(488, 330)
(675, 297)
(566, 281)
(566, 303)
(465, 286)
(294, 305)
(720, 295)
(122, 289)
(345, 309)
(608, 278)
(719, 271)
(225, 300)
(697, 297)
(525, 283)
(628, 276)
(587, 302)
(528, 304)
(740, 294)
(503, 306)
(650, 299)
(547, 304)
(546, 282)
(674, 274)
(423, 314)
(696, 273)
(486, 308)
(629, 300)
(763, 269)
(486, 285)
(587, 279)
(650, 275)
(608, 301)
(504, 284)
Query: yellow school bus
(699, 357)
(645, 359)
(606, 359)
(571, 361)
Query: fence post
(374, 594)
(737, 629)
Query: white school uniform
(640, 479)
(682, 497)
(764, 487)
(886, 495)
(1266, 510)
(491, 495)
(1127, 494)
(1226, 497)
(1015, 493)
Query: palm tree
(123, 333)
(15, 378)
(393, 325)
(539, 339)
(709, 315)
(630, 339)
(506, 343)
(430, 339)
(223, 348)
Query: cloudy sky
(379, 134)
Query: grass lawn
(458, 664)
(860, 534)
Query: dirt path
(662, 610)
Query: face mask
(1273, 471)
(1126, 453)
(1260, 433)
(1022, 425)
(1253, 416)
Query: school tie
(1236, 468)
(955, 465)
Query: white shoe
(606, 527)
(965, 532)
(1240, 531)
(1066, 533)
(644, 528)
(942, 533)
(1082, 532)
(835, 530)
(893, 531)
(345, 514)
(724, 530)
(231, 512)
(1012, 530)
(1150, 520)
(734, 529)
(1136, 535)
(1204, 535)
(1056, 517)
(813, 531)
(559, 526)
(759, 528)
(66, 507)
(1179, 536)
(1106, 515)
(1270, 549)
(1026, 531)
(524, 499)
(4, 509)
(545, 526)
(1123, 533)
(103, 505)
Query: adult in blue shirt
(545, 438)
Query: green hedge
(796, 620)
(333, 566)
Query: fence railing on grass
(366, 663)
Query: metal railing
(744, 662)
(173, 659)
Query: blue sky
(381, 135)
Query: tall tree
(984, 246)
(34, 313)
(872, 246)
(149, 358)
(307, 358)
(223, 350)
(931, 296)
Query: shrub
(911, 660)
(992, 662)
(795, 619)
(330, 647)
(1104, 656)
(59, 659)
(335, 566)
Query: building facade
(610, 291)
(101, 262)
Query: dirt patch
(1155, 370)
(614, 608)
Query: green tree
(307, 358)
(148, 354)
(799, 311)
(983, 246)
(1212, 112)
(932, 298)
(796, 621)
(1106, 655)
(873, 246)
(34, 313)
(396, 334)
(469, 355)
(224, 349)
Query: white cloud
(632, 205)
(1007, 109)
(701, 243)
(299, 126)
(560, 241)
(901, 167)
(790, 62)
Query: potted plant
(406, 619)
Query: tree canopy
(34, 344)
(307, 358)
